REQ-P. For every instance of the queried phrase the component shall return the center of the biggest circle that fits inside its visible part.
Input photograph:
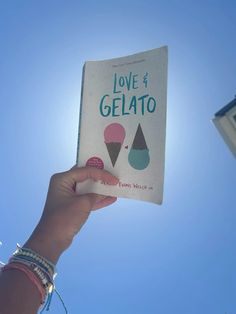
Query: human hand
(65, 212)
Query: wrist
(46, 244)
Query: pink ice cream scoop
(114, 133)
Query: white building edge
(225, 122)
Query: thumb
(84, 173)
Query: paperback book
(122, 125)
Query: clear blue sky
(132, 257)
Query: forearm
(17, 293)
(28, 278)
(46, 244)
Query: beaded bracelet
(30, 254)
(31, 276)
(31, 262)
(40, 271)
(45, 278)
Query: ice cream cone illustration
(114, 135)
(139, 154)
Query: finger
(75, 166)
(106, 201)
(94, 201)
(82, 174)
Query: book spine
(80, 115)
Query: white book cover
(122, 124)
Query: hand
(65, 211)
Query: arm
(64, 214)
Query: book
(122, 125)
(225, 122)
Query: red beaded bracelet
(31, 276)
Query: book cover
(225, 122)
(122, 124)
